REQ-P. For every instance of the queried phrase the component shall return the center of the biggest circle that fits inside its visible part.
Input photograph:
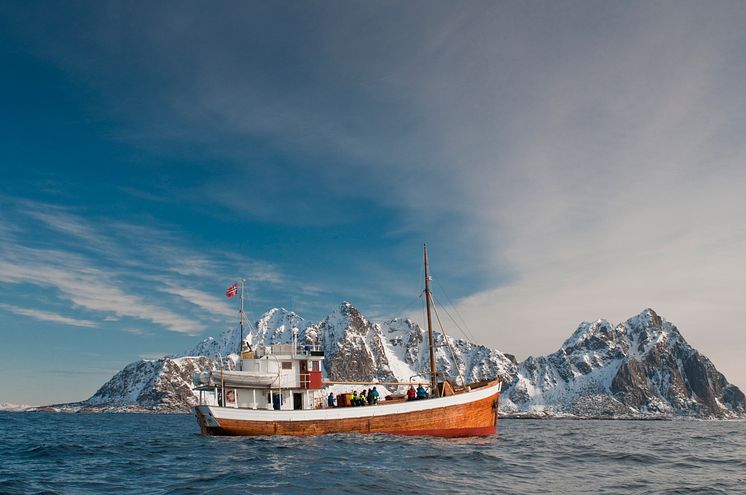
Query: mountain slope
(642, 367)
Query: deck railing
(309, 349)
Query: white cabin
(280, 377)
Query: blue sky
(565, 162)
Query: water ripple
(160, 454)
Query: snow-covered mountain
(161, 385)
(640, 367)
(8, 407)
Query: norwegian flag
(232, 290)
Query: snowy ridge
(8, 407)
(640, 368)
(162, 385)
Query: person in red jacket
(411, 394)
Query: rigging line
(445, 337)
(410, 304)
(465, 329)
(466, 333)
(455, 309)
(422, 345)
(246, 318)
(463, 326)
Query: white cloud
(92, 289)
(151, 356)
(48, 316)
(211, 304)
(115, 270)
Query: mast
(433, 377)
(240, 314)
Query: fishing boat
(279, 390)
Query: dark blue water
(128, 453)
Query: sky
(565, 162)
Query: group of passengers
(370, 396)
(418, 394)
(367, 397)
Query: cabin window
(287, 365)
(314, 366)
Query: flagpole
(240, 342)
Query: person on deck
(364, 398)
(374, 394)
(411, 394)
(330, 399)
(353, 398)
(421, 392)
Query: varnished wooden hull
(469, 414)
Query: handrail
(222, 383)
(306, 348)
(334, 382)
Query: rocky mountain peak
(348, 314)
(595, 335)
(650, 318)
(348, 341)
(649, 323)
(648, 330)
(642, 366)
(276, 326)
(224, 344)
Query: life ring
(230, 396)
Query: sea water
(149, 453)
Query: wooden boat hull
(469, 414)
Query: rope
(410, 304)
(445, 337)
(465, 330)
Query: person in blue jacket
(330, 399)
(421, 392)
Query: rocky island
(642, 368)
